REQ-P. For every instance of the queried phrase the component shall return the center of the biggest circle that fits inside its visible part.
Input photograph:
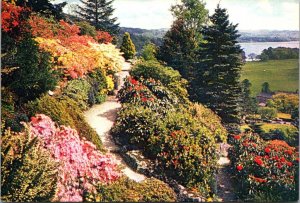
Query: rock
(137, 161)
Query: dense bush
(33, 75)
(286, 103)
(28, 172)
(78, 90)
(149, 93)
(64, 111)
(178, 135)
(288, 133)
(267, 113)
(279, 53)
(149, 52)
(265, 171)
(166, 75)
(126, 190)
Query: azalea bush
(73, 54)
(149, 93)
(265, 170)
(82, 166)
(28, 171)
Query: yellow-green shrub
(28, 173)
(126, 190)
(64, 111)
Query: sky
(249, 14)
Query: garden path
(102, 117)
(225, 187)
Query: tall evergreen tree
(128, 47)
(99, 14)
(218, 77)
(181, 41)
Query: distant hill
(269, 36)
(143, 36)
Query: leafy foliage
(166, 75)
(265, 170)
(28, 172)
(126, 190)
(149, 52)
(64, 111)
(33, 75)
(279, 53)
(267, 113)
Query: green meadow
(280, 74)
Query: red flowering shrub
(10, 16)
(148, 92)
(81, 165)
(269, 168)
(103, 37)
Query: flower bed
(265, 170)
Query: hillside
(280, 74)
(142, 36)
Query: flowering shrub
(81, 165)
(12, 17)
(75, 54)
(104, 37)
(266, 170)
(149, 93)
(180, 136)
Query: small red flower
(258, 161)
(237, 137)
(267, 150)
(289, 152)
(239, 167)
(289, 163)
(282, 159)
(144, 99)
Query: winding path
(102, 117)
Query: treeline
(279, 53)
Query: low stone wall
(136, 160)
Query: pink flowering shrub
(81, 165)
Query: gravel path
(225, 188)
(102, 117)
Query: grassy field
(266, 127)
(280, 74)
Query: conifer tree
(181, 41)
(128, 47)
(99, 14)
(218, 84)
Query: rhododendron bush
(74, 54)
(266, 169)
(81, 165)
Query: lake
(258, 47)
